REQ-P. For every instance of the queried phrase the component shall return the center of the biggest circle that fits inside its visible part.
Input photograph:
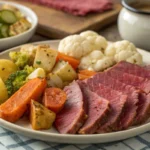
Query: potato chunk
(4, 93)
(45, 58)
(7, 67)
(40, 116)
(65, 71)
(54, 80)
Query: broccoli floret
(29, 69)
(15, 81)
(19, 58)
(18, 79)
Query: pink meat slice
(134, 69)
(143, 111)
(117, 101)
(98, 107)
(73, 115)
(129, 111)
(77, 7)
(147, 67)
(140, 83)
(136, 81)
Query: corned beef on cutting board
(112, 100)
(77, 7)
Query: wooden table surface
(110, 32)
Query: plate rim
(72, 138)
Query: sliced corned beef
(134, 69)
(116, 99)
(140, 83)
(72, 116)
(129, 111)
(143, 111)
(97, 110)
(136, 81)
(147, 67)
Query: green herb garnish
(38, 62)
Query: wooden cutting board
(58, 24)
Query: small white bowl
(134, 24)
(23, 37)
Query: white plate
(23, 37)
(23, 127)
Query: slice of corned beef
(116, 100)
(129, 111)
(97, 109)
(134, 69)
(73, 115)
(147, 67)
(136, 81)
(77, 7)
(143, 111)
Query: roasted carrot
(82, 76)
(87, 72)
(18, 103)
(54, 99)
(72, 61)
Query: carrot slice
(54, 99)
(72, 61)
(82, 76)
(18, 103)
(87, 72)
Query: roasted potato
(31, 50)
(45, 58)
(54, 80)
(4, 93)
(65, 71)
(6, 68)
(40, 116)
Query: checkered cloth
(12, 141)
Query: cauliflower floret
(29, 48)
(104, 63)
(110, 50)
(96, 61)
(130, 56)
(124, 45)
(98, 42)
(88, 33)
(116, 47)
(78, 46)
(75, 46)
(124, 50)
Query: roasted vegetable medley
(39, 73)
(12, 21)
